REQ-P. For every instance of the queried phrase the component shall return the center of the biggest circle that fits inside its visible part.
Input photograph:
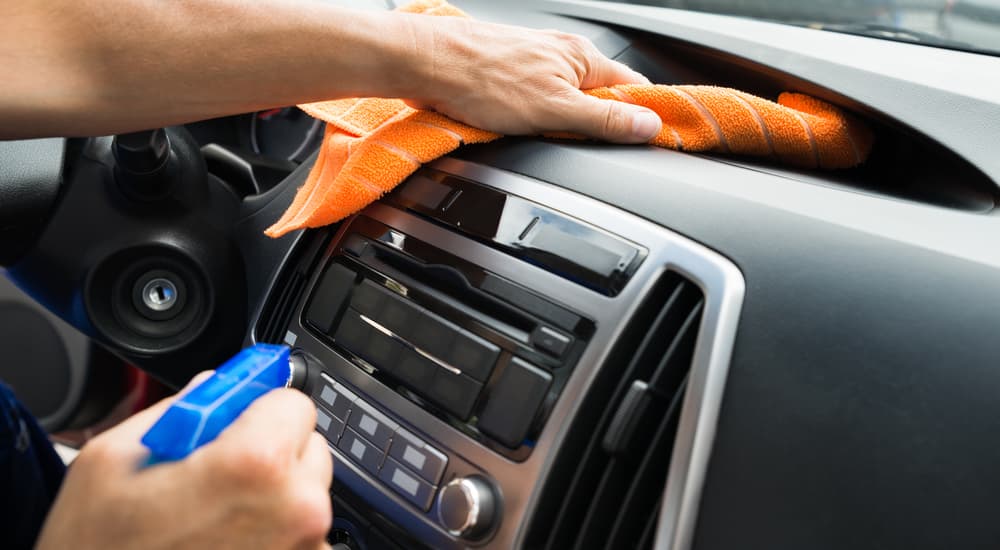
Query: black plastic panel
(528, 231)
(860, 402)
(427, 323)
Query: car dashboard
(539, 343)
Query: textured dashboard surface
(860, 408)
(861, 397)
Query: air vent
(287, 290)
(608, 479)
(278, 315)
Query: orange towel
(371, 145)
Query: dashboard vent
(608, 479)
(280, 313)
(287, 290)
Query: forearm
(90, 67)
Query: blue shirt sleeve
(30, 474)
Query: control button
(454, 346)
(514, 402)
(330, 293)
(368, 299)
(387, 308)
(467, 506)
(529, 302)
(407, 483)
(456, 393)
(336, 398)
(299, 366)
(415, 371)
(472, 355)
(550, 341)
(422, 192)
(328, 425)
(373, 425)
(366, 341)
(354, 244)
(357, 449)
(434, 335)
(398, 315)
(418, 456)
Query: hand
(263, 483)
(513, 80)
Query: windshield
(972, 25)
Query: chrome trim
(519, 482)
(724, 288)
(471, 496)
(426, 355)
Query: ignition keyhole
(159, 294)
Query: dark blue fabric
(30, 474)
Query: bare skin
(235, 492)
(94, 67)
(98, 67)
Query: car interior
(544, 343)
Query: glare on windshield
(961, 24)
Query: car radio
(452, 328)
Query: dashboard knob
(467, 506)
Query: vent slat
(593, 461)
(280, 314)
(649, 480)
(649, 530)
(608, 497)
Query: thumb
(615, 121)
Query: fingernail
(645, 125)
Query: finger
(284, 418)
(607, 72)
(134, 427)
(317, 461)
(612, 121)
(418, 104)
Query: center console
(455, 327)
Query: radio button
(473, 355)
(373, 425)
(514, 401)
(418, 456)
(550, 341)
(336, 398)
(414, 371)
(329, 425)
(456, 393)
(369, 299)
(330, 294)
(364, 453)
(407, 484)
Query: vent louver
(287, 291)
(280, 312)
(608, 480)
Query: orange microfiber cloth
(371, 145)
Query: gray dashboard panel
(861, 392)
(860, 410)
(519, 482)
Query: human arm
(90, 67)
(263, 483)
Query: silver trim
(519, 482)
(471, 496)
(724, 288)
(426, 355)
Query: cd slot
(449, 281)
